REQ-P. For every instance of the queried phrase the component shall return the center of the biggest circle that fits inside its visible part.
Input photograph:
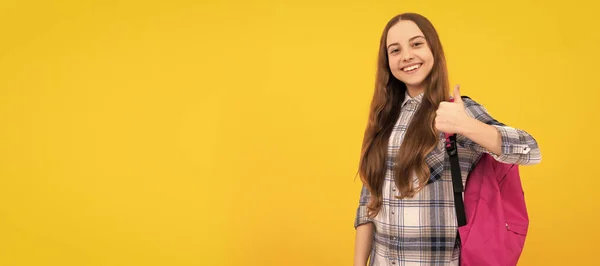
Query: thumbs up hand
(451, 117)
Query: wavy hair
(421, 136)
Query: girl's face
(409, 56)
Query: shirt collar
(407, 98)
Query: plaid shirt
(422, 230)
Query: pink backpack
(492, 220)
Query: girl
(406, 210)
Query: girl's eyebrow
(412, 38)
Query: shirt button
(393, 262)
(393, 212)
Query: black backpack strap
(457, 185)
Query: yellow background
(204, 133)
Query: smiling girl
(406, 212)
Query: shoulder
(477, 111)
(472, 105)
(468, 101)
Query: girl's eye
(417, 44)
(394, 51)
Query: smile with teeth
(411, 68)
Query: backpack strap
(457, 185)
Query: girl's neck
(415, 91)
